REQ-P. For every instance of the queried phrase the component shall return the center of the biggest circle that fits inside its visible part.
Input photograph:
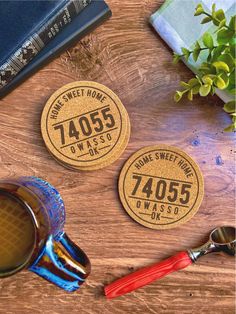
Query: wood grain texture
(128, 56)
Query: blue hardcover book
(22, 18)
(28, 27)
(88, 19)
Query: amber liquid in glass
(17, 233)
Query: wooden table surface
(128, 56)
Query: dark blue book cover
(29, 27)
(87, 20)
(19, 19)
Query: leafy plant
(219, 69)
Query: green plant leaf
(185, 85)
(213, 90)
(207, 79)
(206, 19)
(193, 81)
(232, 23)
(197, 45)
(204, 90)
(195, 89)
(196, 53)
(230, 128)
(209, 56)
(220, 83)
(224, 36)
(233, 40)
(207, 68)
(194, 84)
(204, 70)
(220, 65)
(208, 40)
(232, 78)
(222, 23)
(178, 95)
(233, 51)
(176, 58)
(213, 8)
(218, 16)
(232, 91)
(225, 77)
(217, 52)
(186, 53)
(199, 10)
(199, 79)
(219, 69)
(190, 95)
(230, 106)
(228, 59)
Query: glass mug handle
(63, 263)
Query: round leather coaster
(108, 162)
(161, 187)
(83, 124)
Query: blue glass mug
(32, 217)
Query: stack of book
(36, 31)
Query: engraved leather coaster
(85, 125)
(161, 187)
